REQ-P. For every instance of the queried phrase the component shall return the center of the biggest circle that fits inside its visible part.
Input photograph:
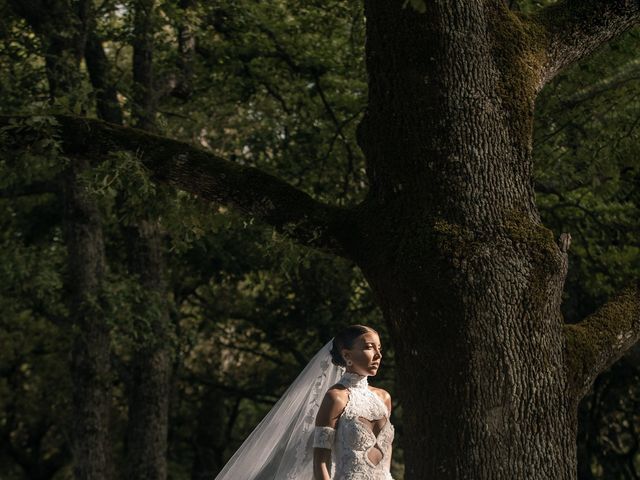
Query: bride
(329, 424)
(361, 441)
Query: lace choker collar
(354, 380)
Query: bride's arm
(330, 410)
(321, 464)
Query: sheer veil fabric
(281, 446)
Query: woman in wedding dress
(329, 424)
(353, 434)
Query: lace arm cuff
(323, 437)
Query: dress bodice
(363, 436)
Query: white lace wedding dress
(354, 442)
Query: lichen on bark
(519, 49)
(600, 339)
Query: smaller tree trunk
(144, 105)
(90, 356)
(151, 362)
(99, 70)
(210, 436)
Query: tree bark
(469, 281)
(572, 30)
(90, 355)
(144, 100)
(150, 365)
(186, 47)
(467, 277)
(148, 419)
(209, 442)
(601, 339)
(99, 70)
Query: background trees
(281, 88)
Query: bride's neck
(354, 380)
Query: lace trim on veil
(281, 446)
(304, 450)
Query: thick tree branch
(602, 338)
(575, 28)
(248, 189)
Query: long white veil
(281, 446)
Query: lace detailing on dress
(363, 434)
(323, 437)
(367, 403)
(353, 380)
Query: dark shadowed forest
(146, 328)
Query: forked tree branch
(573, 29)
(248, 189)
(602, 338)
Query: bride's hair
(345, 339)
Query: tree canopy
(274, 92)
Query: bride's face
(366, 354)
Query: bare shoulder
(384, 396)
(332, 406)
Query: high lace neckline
(354, 380)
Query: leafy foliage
(280, 86)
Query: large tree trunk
(467, 277)
(90, 355)
(481, 373)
